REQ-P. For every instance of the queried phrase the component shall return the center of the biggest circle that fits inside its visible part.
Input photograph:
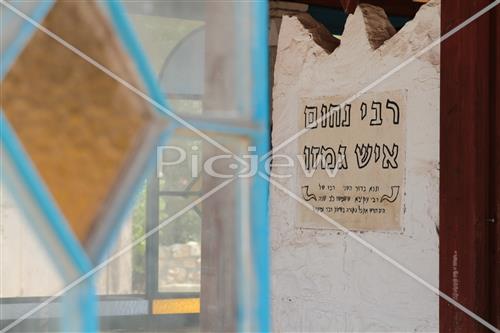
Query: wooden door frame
(469, 172)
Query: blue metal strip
(260, 187)
(27, 29)
(89, 304)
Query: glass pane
(85, 132)
(172, 35)
(227, 263)
(180, 165)
(201, 57)
(12, 26)
(186, 105)
(179, 260)
(203, 206)
(125, 274)
(179, 242)
(28, 275)
(194, 49)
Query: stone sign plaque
(352, 160)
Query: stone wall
(322, 280)
(179, 267)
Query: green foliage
(139, 251)
(185, 228)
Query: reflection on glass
(179, 253)
(179, 259)
(180, 166)
(174, 47)
(126, 274)
(189, 106)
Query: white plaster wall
(323, 280)
(26, 269)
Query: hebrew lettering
(394, 107)
(352, 166)
(377, 114)
(363, 154)
(311, 116)
(389, 158)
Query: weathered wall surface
(322, 280)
